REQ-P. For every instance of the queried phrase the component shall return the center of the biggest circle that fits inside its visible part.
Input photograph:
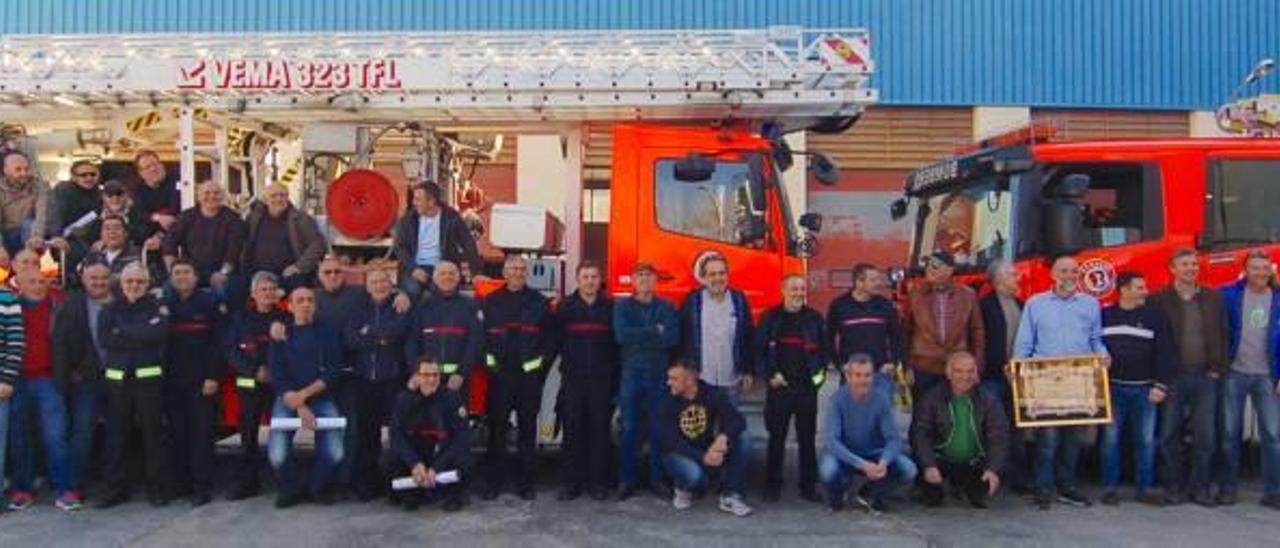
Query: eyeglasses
(328, 272)
(86, 174)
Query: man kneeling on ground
(862, 445)
(961, 436)
(699, 430)
(430, 435)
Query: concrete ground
(641, 521)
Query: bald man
(282, 239)
(211, 235)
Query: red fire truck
(1117, 204)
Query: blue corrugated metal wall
(1175, 54)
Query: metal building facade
(1133, 54)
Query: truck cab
(1117, 205)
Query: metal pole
(187, 156)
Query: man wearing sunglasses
(71, 201)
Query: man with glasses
(942, 318)
(71, 201)
(429, 435)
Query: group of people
(131, 342)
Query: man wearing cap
(647, 330)
(116, 202)
(428, 233)
(717, 330)
(517, 323)
(942, 318)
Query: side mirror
(807, 246)
(694, 168)
(782, 155)
(898, 209)
(896, 275)
(811, 222)
(825, 170)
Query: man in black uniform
(247, 339)
(583, 336)
(791, 343)
(429, 435)
(447, 326)
(863, 321)
(516, 321)
(191, 385)
(132, 330)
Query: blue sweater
(635, 326)
(859, 431)
(312, 352)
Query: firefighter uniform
(792, 345)
(583, 337)
(432, 431)
(194, 328)
(375, 336)
(247, 341)
(516, 324)
(133, 341)
(448, 327)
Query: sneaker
(1074, 498)
(20, 500)
(733, 504)
(682, 500)
(878, 505)
(69, 502)
(860, 502)
(1110, 498)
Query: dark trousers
(584, 408)
(374, 408)
(392, 468)
(965, 477)
(1017, 470)
(781, 404)
(521, 393)
(1196, 396)
(190, 419)
(135, 404)
(347, 396)
(253, 403)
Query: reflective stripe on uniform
(147, 372)
(449, 368)
(245, 382)
(491, 361)
(819, 377)
(532, 365)
(115, 375)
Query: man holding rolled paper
(302, 367)
(430, 441)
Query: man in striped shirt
(11, 350)
(1139, 340)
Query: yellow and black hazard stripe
(197, 113)
(143, 121)
(291, 173)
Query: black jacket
(691, 438)
(583, 337)
(1140, 343)
(195, 328)
(932, 424)
(375, 336)
(456, 243)
(447, 326)
(517, 325)
(873, 328)
(133, 334)
(431, 430)
(67, 204)
(993, 320)
(770, 340)
(743, 334)
(247, 338)
(73, 349)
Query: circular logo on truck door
(1097, 277)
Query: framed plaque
(1060, 391)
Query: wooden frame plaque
(1060, 391)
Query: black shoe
(1203, 499)
(287, 501)
(1175, 499)
(112, 500)
(598, 494)
(809, 494)
(489, 493)
(978, 502)
(1271, 501)
(878, 504)
(1226, 498)
(569, 493)
(835, 503)
(1043, 501)
(662, 491)
(200, 499)
(323, 499)
(1023, 489)
(242, 492)
(527, 493)
(158, 501)
(412, 502)
(366, 495)
(1150, 498)
(1074, 498)
(771, 494)
(626, 491)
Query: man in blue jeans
(77, 361)
(1060, 322)
(303, 366)
(700, 430)
(647, 330)
(36, 398)
(1140, 342)
(11, 350)
(861, 442)
(1253, 315)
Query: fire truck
(1116, 205)
(707, 138)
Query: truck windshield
(973, 223)
(728, 207)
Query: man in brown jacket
(283, 240)
(1199, 324)
(942, 318)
